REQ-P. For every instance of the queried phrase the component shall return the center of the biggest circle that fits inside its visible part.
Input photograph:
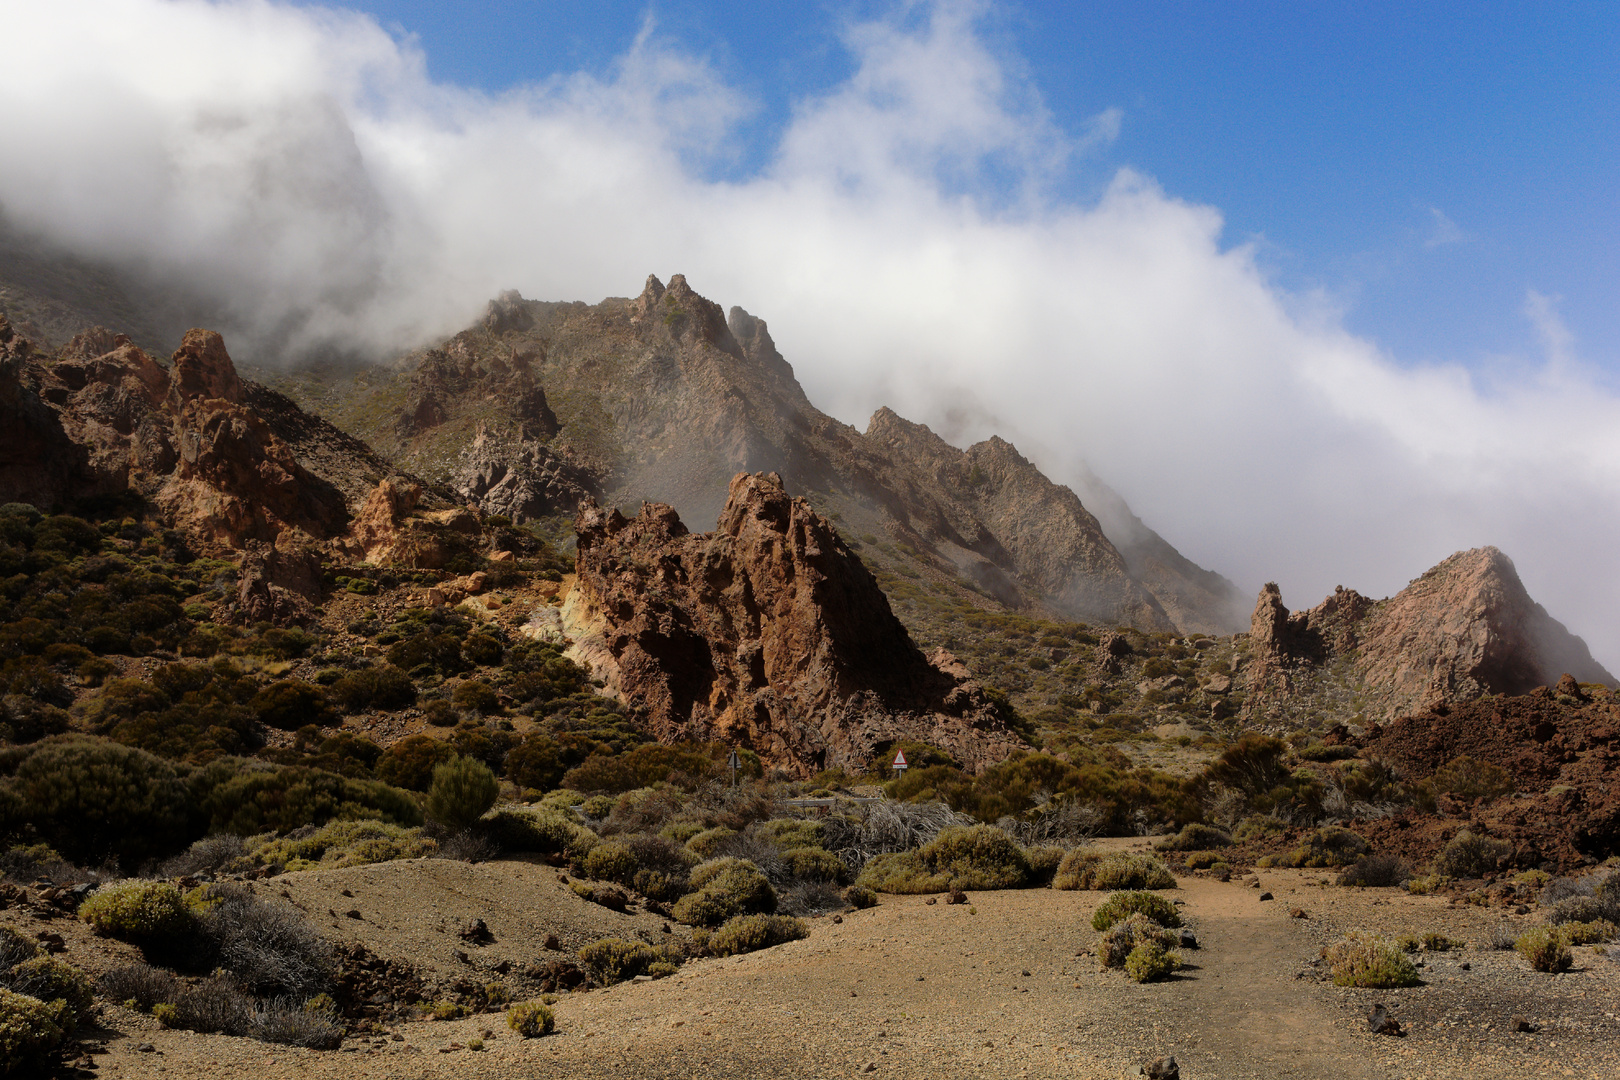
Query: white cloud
(904, 242)
(1443, 230)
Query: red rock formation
(1465, 629)
(97, 422)
(767, 633)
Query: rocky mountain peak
(768, 633)
(201, 368)
(1465, 629)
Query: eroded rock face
(521, 480)
(105, 417)
(1465, 629)
(766, 633)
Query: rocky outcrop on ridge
(767, 633)
(1465, 629)
(224, 460)
(664, 397)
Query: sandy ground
(1002, 987)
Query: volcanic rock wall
(767, 633)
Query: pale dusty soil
(919, 990)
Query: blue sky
(1426, 165)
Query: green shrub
(141, 912)
(643, 766)
(610, 860)
(902, 872)
(1043, 863)
(30, 1031)
(613, 960)
(978, 857)
(1258, 827)
(1587, 933)
(724, 888)
(50, 979)
(385, 687)
(814, 864)
(706, 844)
(860, 897)
(1122, 905)
(1470, 779)
(1544, 949)
(1360, 960)
(1195, 837)
(344, 843)
(1085, 868)
(1150, 962)
(531, 1019)
(1468, 855)
(549, 832)
(1128, 934)
(476, 696)
(1327, 847)
(750, 933)
(292, 703)
(1205, 860)
(1375, 871)
(248, 799)
(410, 762)
(463, 789)
(449, 1010)
(1423, 886)
(92, 799)
(787, 833)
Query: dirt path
(1004, 987)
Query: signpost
(735, 763)
(900, 765)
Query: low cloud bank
(294, 172)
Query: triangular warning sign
(899, 759)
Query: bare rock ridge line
(1465, 629)
(768, 633)
(664, 397)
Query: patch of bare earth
(1004, 986)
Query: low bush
(1587, 933)
(860, 897)
(1125, 936)
(1150, 962)
(1375, 871)
(462, 791)
(901, 872)
(1258, 827)
(1470, 779)
(31, 1030)
(1195, 837)
(248, 799)
(140, 983)
(1122, 905)
(531, 1019)
(1426, 884)
(548, 832)
(410, 762)
(1360, 960)
(218, 1005)
(147, 913)
(1328, 847)
(610, 860)
(384, 687)
(1544, 949)
(814, 864)
(1043, 863)
(268, 946)
(342, 843)
(1471, 855)
(706, 843)
(49, 979)
(614, 960)
(207, 855)
(724, 888)
(750, 933)
(1087, 868)
(978, 857)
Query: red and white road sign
(899, 759)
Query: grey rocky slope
(665, 398)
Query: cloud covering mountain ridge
(295, 176)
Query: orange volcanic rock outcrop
(1465, 629)
(768, 633)
(102, 417)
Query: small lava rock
(1265, 896)
(1380, 1022)
(1164, 1068)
